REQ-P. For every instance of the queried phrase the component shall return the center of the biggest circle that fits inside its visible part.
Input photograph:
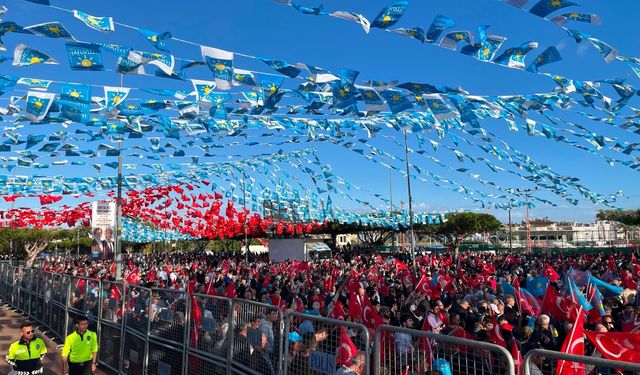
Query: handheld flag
(573, 344)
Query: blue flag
(114, 96)
(439, 24)
(282, 67)
(104, 24)
(451, 40)
(605, 288)
(37, 84)
(514, 57)
(575, 293)
(220, 63)
(157, 39)
(580, 17)
(489, 46)
(545, 7)
(609, 53)
(51, 30)
(548, 56)
(24, 55)
(84, 56)
(507, 289)
(537, 285)
(414, 32)
(38, 104)
(581, 278)
(390, 15)
(396, 101)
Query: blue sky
(267, 29)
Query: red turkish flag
(619, 346)
(352, 284)
(424, 286)
(518, 361)
(558, 306)
(338, 311)
(370, 317)
(356, 305)
(346, 349)
(550, 273)
(573, 344)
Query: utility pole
(393, 238)
(411, 239)
(244, 208)
(510, 244)
(527, 196)
(119, 217)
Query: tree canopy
(627, 217)
(459, 226)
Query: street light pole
(244, 208)
(119, 217)
(411, 239)
(510, 244)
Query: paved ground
(10, 331)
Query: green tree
(458, 227)
(627, 217)
(33, 241)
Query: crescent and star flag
(346, 348)
(617, 346)
(573, 344)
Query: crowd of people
(494, 298)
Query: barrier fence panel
(250, 352)
(539, 361)
(137, 307)
(321, 345)
(110, 324)
(168, 315)
(83, 302)
(209, 333)
(134, 357)
(201, 365)
(397, 348)
(164, 358)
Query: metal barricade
(59, 319)
(249, 352)
(137, 307)
(539, 361)
(134, 354)
(82, 302)
(168, 314)
(110, 327)
(322, 345)
(209, 334)
(397, 348)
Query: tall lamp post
(411, 238)
(527, 196)
(119, 217)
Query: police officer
(25, 355)
(80, 350)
